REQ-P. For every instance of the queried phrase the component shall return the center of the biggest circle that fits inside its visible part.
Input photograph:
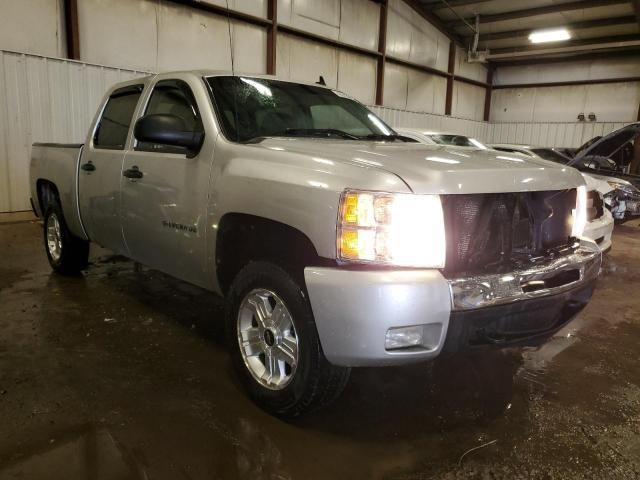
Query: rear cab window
(115, 121)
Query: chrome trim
(496, 289)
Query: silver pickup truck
(336, 242)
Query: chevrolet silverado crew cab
(336, 242)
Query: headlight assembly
(580, 213)
(391, 228)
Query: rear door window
(113, 126)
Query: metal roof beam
(615, 43)
(536, 11)
(441, 5)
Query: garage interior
(123, 372)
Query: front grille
(497, 232)
(595, 205)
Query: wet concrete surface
(123, 374)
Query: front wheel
(67, 254)
(275, 345)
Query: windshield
(552, 155)
(456, 140)
(253, 108)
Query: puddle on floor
(93, 455)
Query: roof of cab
(213, 73)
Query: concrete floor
(123, 374)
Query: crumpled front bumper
(354, 309)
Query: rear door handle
(133, 172)
(88, 167)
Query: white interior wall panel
(119, 32)
(356, 76)
(410, 37)
(396, 80)
(468, 101)
(568, 71)
(321, 17)
(350, 21)
(425, 92)
(613, 102)
(411, 89)
(44, 100)
(162, 36)
(35, 26)
(360, 21)
(189, 39)
(304, 60)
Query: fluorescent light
(555, 35)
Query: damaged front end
(515, 271)
(502, 232)
(623, 202)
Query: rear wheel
(275, 345)
(67, 254)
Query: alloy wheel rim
(54, 238)
(267, 338)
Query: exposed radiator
(496, 232)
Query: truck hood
(437, 168)
(609, 144)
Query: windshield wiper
(392, 137)
(319, 132)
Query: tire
(299, 386)
(67, 254)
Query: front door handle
(88, 167)
(133, 172)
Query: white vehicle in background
(600, 220)
(430, 137)
(546, 153)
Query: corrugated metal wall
(44, 100)
(550, 134)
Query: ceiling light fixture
(544, 36)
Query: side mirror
(165, 129)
